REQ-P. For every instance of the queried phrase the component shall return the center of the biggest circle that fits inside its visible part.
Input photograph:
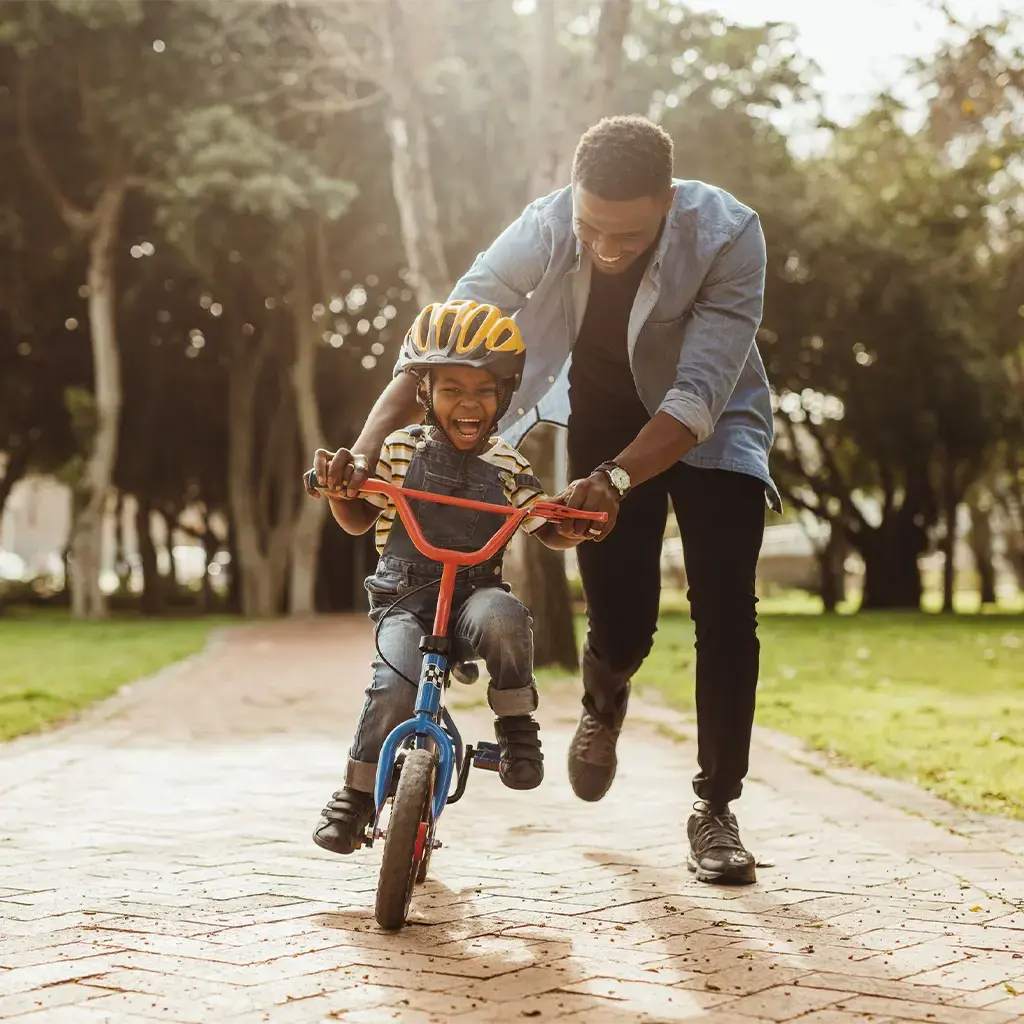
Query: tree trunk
(211, 546)
(255, 586)
(980, 539)
(545, 589)
(892, 579)
(548, 115)
(234, 574)
(606, 66)
(306, 537)
(121, 566)
(1009, 495)
(411, 174)
(263, 498)
(86, 556)
(949, 555)
(832, 563)
(170, 525)
(16, 468)
(152, 583)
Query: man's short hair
(624, 157)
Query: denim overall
(487, 621)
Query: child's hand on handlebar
(342, 470)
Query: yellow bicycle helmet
(466, 333)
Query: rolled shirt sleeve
(719, 333)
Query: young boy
(469, 359)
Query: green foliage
(100, 14)
(221, 157)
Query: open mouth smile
(467, 429)
(608, 263)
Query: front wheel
(405, 848)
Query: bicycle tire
(399, 865)
(424, 862)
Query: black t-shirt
(605, 409)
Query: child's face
(465, 403)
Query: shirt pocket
(656, 357)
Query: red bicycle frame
(450, 560)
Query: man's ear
(669, 200)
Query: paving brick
(48, 998)
(27, 979)
(161, 1008)
(539, 906)
(785, 1002)
(981, 971)
(905, 1010)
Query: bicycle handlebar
(400, 496)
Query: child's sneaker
(344, 821)
(522, 763)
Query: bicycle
(421, 756)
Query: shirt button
(521, 412)
(497, 570)
(420, 445)
(551, 380)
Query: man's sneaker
(592, 760)
(522, 763)
(716, 852)
(344, 821)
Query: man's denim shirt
(691, 331)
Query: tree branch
(795, 460)
(17, 466)
(794, 499)
(338, 104)
(839, 486)
(74, 216)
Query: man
(654, 287)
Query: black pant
(721, 521)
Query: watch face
(620, 479)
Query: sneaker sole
(593, 795)
(521, 785)
(731, 876)
(334, 849)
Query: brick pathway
(155, 864)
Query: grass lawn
(937, 700)
(51, 667)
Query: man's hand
(340, 471)
(592, 494)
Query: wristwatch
(617, 477)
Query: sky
(861, 46)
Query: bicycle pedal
(487, 756)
